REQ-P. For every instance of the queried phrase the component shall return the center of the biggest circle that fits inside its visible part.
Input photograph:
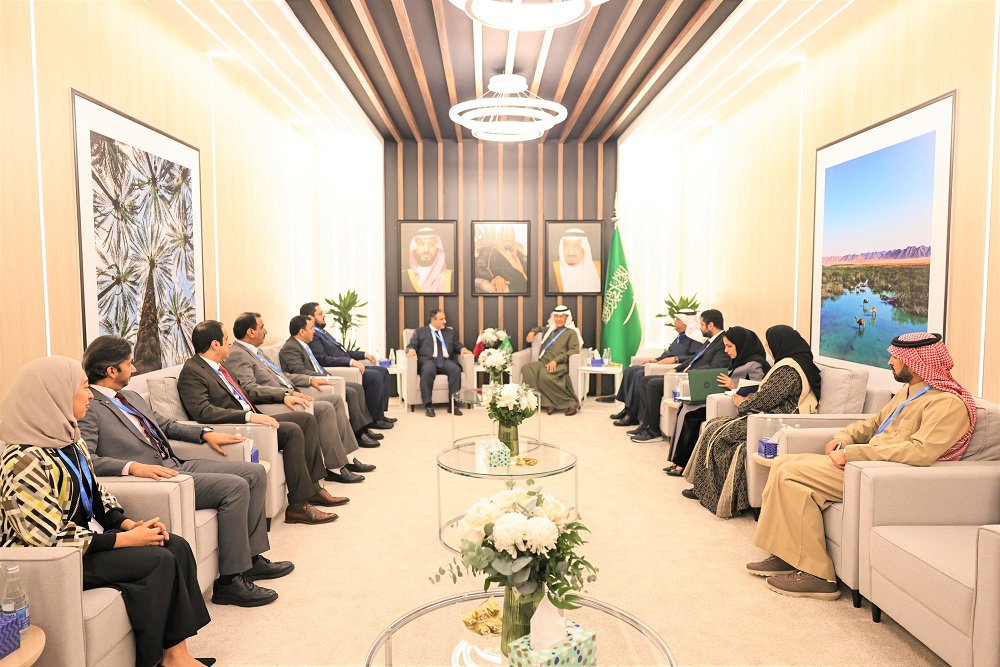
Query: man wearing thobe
(435, 348)
(502, 268)
(930, 419)
(576, 271)
(550, 374)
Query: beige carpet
(662, 558)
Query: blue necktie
(439, 357)
(277, 371)
(314, 360)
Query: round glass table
(435, 635)
(467, 458)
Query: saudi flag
(622, 331)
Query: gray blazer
(295, 359)
(257, 379)
(114, 440)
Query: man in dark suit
(711, 355)
(297, 357)
(126, 437)
(375, 380)
(266, 384)
(435, 348)
(211, 396)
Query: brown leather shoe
(572, 411)
(324, 499)
(306, 513)
(550, 410)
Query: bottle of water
(607, 356)
(770, 429)
(15, 601)
(392, 356)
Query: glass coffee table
(467, 458)
(435, 635)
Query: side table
(30, 651)
(583, 381)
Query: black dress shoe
(367, 441)
(373, 435)
(637, 431)
(627, 420)
(606, 399)
(649, 435)
(429, 411)
(457, 411)
(206, 661)
(358, 466)
(344, 476)
(621, 414)
(242, 593)
(391, 420)
(266, 569)
(689, 493)
(381, 424)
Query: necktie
(148, 428)
(315, 361)
(236, 389)
(439, 356)
(277, 371)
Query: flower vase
(507, 433)
(517, 613)
(496, 377)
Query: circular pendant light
(526, 15)
(508, 112)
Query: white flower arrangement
(492, 338)
(495, 360)
(522, 537)
(509, 403)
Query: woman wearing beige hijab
(51, 497)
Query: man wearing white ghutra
(550, 374)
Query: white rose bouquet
(492, 338)
(522, 538)
(509, 403)
(495, 361)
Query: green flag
(506, 346)
(622, 330)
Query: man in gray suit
(265, 384)
(126, 437)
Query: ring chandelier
(526, 15)
(508, 112)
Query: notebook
(702, 382)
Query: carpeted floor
(662, 558)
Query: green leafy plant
(676, 305)
(344, 312)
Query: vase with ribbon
(517, 612)
(507, 433)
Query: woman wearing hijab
(748, 362)
(51, 497)
(718, 464)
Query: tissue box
(597, 362)
(10, 635)
(579, 649)
(385, 363)
(497, 454)
(767, 449)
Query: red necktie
(232, 383)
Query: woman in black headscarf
(718, 463)
(748, 362)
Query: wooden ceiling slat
(543, 55)
(617, 34)
(418, 67)
(574, 56)
(368, 24)
(449, 65)
(703, 14)
(340, 39)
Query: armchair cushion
(165, 399)
(985, 442)
(106, 624)
(842, 389)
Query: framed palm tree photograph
(139, 194)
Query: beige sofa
(930, 555)
(410, 394)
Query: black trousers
(628, 392)
(430, 370)
(375, 382)
(651, 394)
(161, 593)
(688, 437)
(298, 440)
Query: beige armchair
(91, 627)
(930, 555)
(410, 389)
(522, 358)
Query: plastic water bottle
(15, 601)
(607, 356)
(392, 356)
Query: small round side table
(30, 651)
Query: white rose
(510, 532)
(553, 510)
(541, 535)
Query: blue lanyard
(331, 339)
(700, 352)
(437, 334)
(901, 406)
(553, 340)
(312, 356)
(80, 475)
(129, 411)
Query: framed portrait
(428, 254)
(880, 249)
(500, 257)
(574, 259)
(139, 194)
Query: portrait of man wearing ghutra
(425, 267)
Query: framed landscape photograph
(574, 260)
(139, 194)
(428, 253)
(500, 252)
(880, 264)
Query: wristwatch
(207, 429)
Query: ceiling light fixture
(508, 112)
(525, 15)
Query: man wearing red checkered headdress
(930, 419)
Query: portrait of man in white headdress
(574, 251)
(427, 251)
(501, 257)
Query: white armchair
(522, 358)
(930, 555)
(410, 387)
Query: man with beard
(501, 268)
(428, 272)
(930, 419)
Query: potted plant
(676, 305)
(345, 315)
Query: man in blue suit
(435, 348)
(375, 380)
